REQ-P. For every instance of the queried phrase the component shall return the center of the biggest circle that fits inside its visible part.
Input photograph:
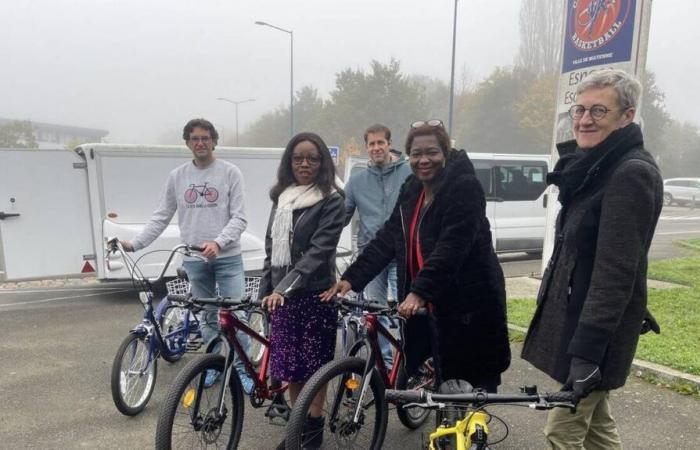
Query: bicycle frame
(473, 425)
(230, 325)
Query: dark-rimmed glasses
(298, 160)
(430, 123)
(597, 112)
(203, 139)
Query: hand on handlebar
(410, 305)
(128, 246)
(210, 249)
(340, 288)
(272, 301)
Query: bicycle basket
(182, 287)
(252, 286)
(178, 286)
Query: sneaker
(247, 383)
(211, 378)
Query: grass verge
(677, 311)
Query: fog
(142, 69)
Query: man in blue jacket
(373, 192)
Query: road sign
(335, 154)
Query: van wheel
(668, 199)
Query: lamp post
(452, 71)
(236, 103)
(291, 72)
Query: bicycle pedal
(194, 344)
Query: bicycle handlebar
(115, 245)
(372, 307)
(425, 399)
(221, 302)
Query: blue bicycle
(168, 330)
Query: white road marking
(35, 291)
(677, 232)
(47, 300)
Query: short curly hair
(201, 123)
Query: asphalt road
(675, 223)
(57, 349)
(58, 346)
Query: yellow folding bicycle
(463, 422)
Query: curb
(641, 367)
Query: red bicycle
(355, 412)
(196, 416)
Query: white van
(514, 186)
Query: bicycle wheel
(172, 323)
(180, 426)
(133, 375)
(258, 321)
(424, 378)
(341, 379)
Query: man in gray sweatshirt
(373, 192)
(207, 194)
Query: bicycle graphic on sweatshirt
(195, 191)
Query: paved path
(58, 346)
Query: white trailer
(57, 207)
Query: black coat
(313, 245)
(461, 276)
(594, 292)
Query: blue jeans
(376, 291)
(226, 273)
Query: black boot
(312, 436)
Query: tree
(490, 121)
(17, 134)
(682, 142)
(655, 119)
(536, 111)
(541, 36)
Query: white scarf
(294, 197)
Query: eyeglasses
(203, 139)
(597, 112)
(430, 123)
(430, 153)
(298, 160)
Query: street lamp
(291, 73)
(452, 71)
(236, 103)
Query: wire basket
(252, 287)
(181, 286)
(178, 286)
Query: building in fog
(50, 135)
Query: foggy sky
(141, 69)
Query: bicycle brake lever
(426, 405)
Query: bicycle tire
(259, 322)
(172, 322)
(130, 390)
(183, 392)
(340, 430)
(413, 418)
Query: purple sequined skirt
(302, 337)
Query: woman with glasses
(307, 218)
(440, 237)
(592, 302)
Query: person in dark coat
(592, 301)
(307, 217)
(440, 237)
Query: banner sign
(598, 32)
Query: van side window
(483, 174)
(519, 180)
